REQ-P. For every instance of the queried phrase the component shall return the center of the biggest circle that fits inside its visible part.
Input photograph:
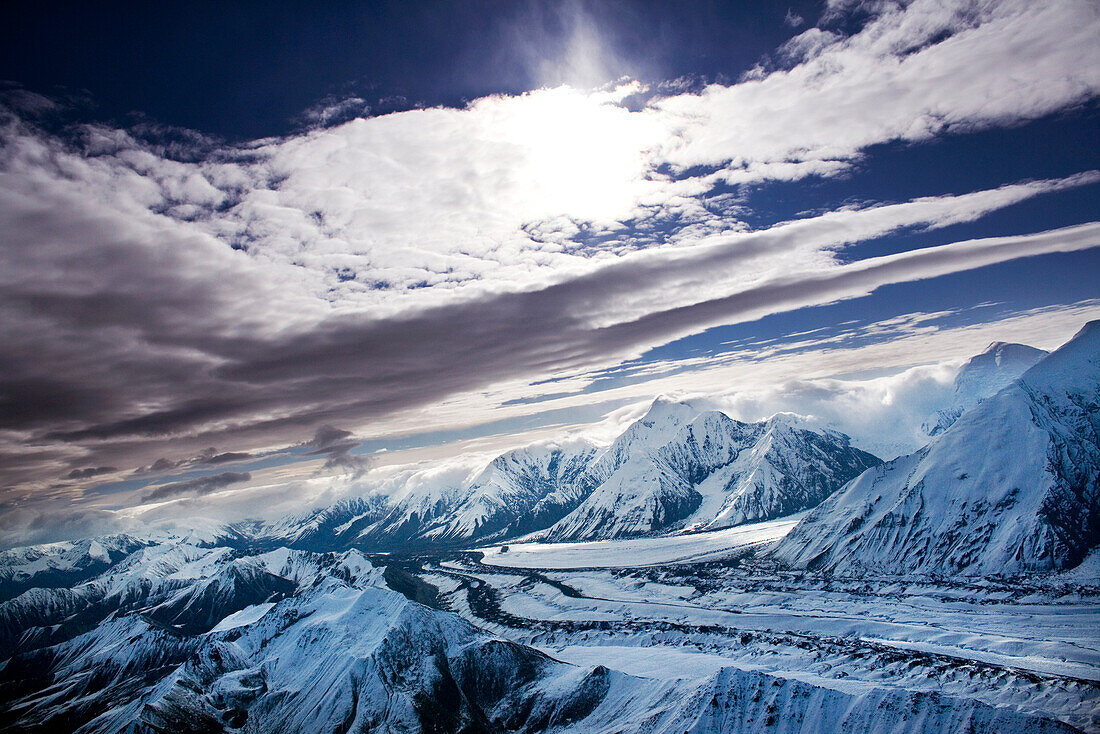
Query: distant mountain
(1012, 487)
(324, 528)
(522, 490)
(983, 376)
(61, 564)
(675, 468)
(678, 468)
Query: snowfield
(1030, 649)
(640, 552)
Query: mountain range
(179, 638)
(678, 468)
(289, 626)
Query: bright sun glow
(586, 155)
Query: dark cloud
(51, 526)
(19, 526)
(207, 457)
(328, 437)
(190, 339)
(228, 456)
(196, 487)
(336, 445)
(91, 471)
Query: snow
(1087, 572)
(677, 467)
(637, 552)
(983, 376)
(97, 552)
(645, 633)
(1003, 491)
(244, 617)
(674, 663)
(665, 663)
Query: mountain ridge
(1012, 487)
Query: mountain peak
(1018, 472)
(1002, 354)
(1090, 332)
(1074, 364)
(786, 419)
(664, 407)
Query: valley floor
(665, 608)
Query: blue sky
(305, 236)
(245, 70)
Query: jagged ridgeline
(1011, 487)
(677, 468)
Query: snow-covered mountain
(324, 528)
(61, 564)
(983, 376)
(1012, 487)
(676, 468)
(521, 490)
(679, 468)
(207, 640)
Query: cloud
(563, 43)
(914, 71)
(91, 471)
(209, 457)
(196, 487)
(154, 296)
(218, 369)
(336, 445)
(793, 19)
(23, 527)
(882, 415)
(332, 110)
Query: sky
(260, 255)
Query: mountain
(679, 468)
(318, 642)
(675, 468)
(1012, 487)
(323, 528)
(520, 490)
(61, 564)
(982, 376)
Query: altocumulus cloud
(247, 295)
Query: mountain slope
(1012, 487)
(707, 472)
(341, 652)
(983, 376)
(63, 564)
(325, 528)
(525, 488)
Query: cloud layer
(156, 299)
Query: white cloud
(409, 208)
(147, 298)
(1000, 63)
(793, 19)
